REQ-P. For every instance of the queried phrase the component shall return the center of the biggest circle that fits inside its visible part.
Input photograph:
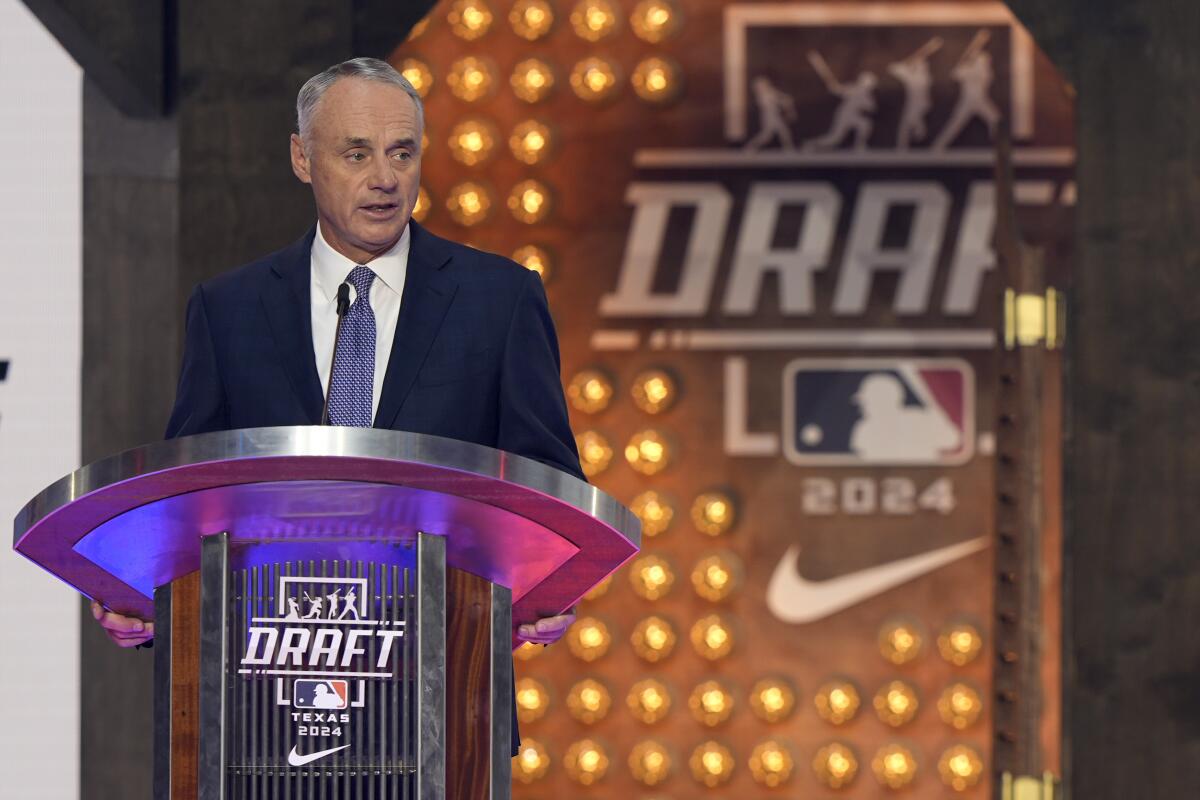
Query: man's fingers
(117, 622)
(547, 630)
(117, 635)
(122, 630)
(561, 622)
(142, 635)
(127, 640)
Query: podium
(334, 607)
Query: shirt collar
(330, 267)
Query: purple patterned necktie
(352, 386)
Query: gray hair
(368, 69)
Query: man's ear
(300, 163)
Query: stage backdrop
(766, 232)
(40, 199)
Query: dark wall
(1132, 698)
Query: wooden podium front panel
(468, 686)
(185, 686)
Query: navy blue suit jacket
(475, 355)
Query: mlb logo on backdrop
(331, 694)
(860, 412)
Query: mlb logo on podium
(898, 412)
(330, 694)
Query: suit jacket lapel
(287, 300)
(427, 294)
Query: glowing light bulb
(469, 19)
(532, 79)
(469, 203)
(421, 208)
(715, 576)
(527, 651)
(896, 703)
(588, 639)
(534, 258)
(653, 639)
(835, 765)
(594, 452)
(771, 763)
(772, 699)
(713, 513)
(594, 79)
(472, 141)
(711, 764)
(960, 643)
(599, 590)
(588, 701)
(586, 761)
(651, 576)
(649, 700)
(471, 78)
(531, 761)
(529, 201)
(590, 391)
(657, 80)
(894, 766)
(837, 701)
(417, 73)
(900, 641)
(653, 391)
(654, 510)
(712, 637)
(649, 762)
(532, 700)
(531, 19)
(655, 20)
(594, 19)
(960, 767)
(530, 142)
(960, 706)
(418, 29)
(648, 452)
(711, 703)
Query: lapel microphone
(343, 305)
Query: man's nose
(383, 176)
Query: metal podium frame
(122, 529)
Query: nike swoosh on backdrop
(297, 760)
(793, 598)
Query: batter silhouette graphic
(974, 75)
(775, 110)
(914, 74)
(853, 112)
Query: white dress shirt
(329, 270)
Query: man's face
(363, 161)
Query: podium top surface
(121, 526)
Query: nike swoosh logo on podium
(793, 598)
(297, 760)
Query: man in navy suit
(439, 338)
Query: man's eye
(357, 156)
(403, 155)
